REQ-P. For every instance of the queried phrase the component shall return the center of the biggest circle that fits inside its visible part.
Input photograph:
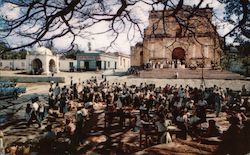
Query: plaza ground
(12, 112)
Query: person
(70, 129)
(47, 140)
(177, 75)
(62, 105)
(160, 123)
(217, 100)
(49, 134)
(28, 111)
(246, 136)
(2, 149)
(41, 110)
(201, 110)
(241, 114)
(34, 113)
(75, 92)
(71, 81)
(51, 101)
(51, 85)
(57, 91)
(243, 90)
(213, 130)
(232, 139)
(181, 122)
(79, 124)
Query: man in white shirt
(34, 113)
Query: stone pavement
(189, 74)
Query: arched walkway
(52, 65)
(37, 66)
(178, 56)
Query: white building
(67, 64)
(93, 60)
(43, 61)
(123, 61)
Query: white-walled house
(123, 61)
(17, 64)
(43, 61)
(92, 60)
(67, 64)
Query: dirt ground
(13, 123)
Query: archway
(178, 56)
(37, 66)
(52, 66)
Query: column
(45, 65)
(57, 64)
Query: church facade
(182, 40)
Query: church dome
(43, 51)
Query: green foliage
(14, 55)
(238, 9)
(245, 61)
(244, 49)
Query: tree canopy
(46, 20)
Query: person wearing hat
(1, 143)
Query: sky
(121, 44)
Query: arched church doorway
(178, 56)
(37, 66)
(52, 66)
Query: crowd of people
(185, 106)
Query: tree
(239, 9)
(45, 20)
(3, 48)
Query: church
(179, 40)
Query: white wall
(13, 64)
(123, 62)
(109, 59)
(64, 64)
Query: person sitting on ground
(232, 139)
(246, 104)
(182, 124)
(213, 130)
(246, 136)
(70, 129)
(47, 140)
(241, 114)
